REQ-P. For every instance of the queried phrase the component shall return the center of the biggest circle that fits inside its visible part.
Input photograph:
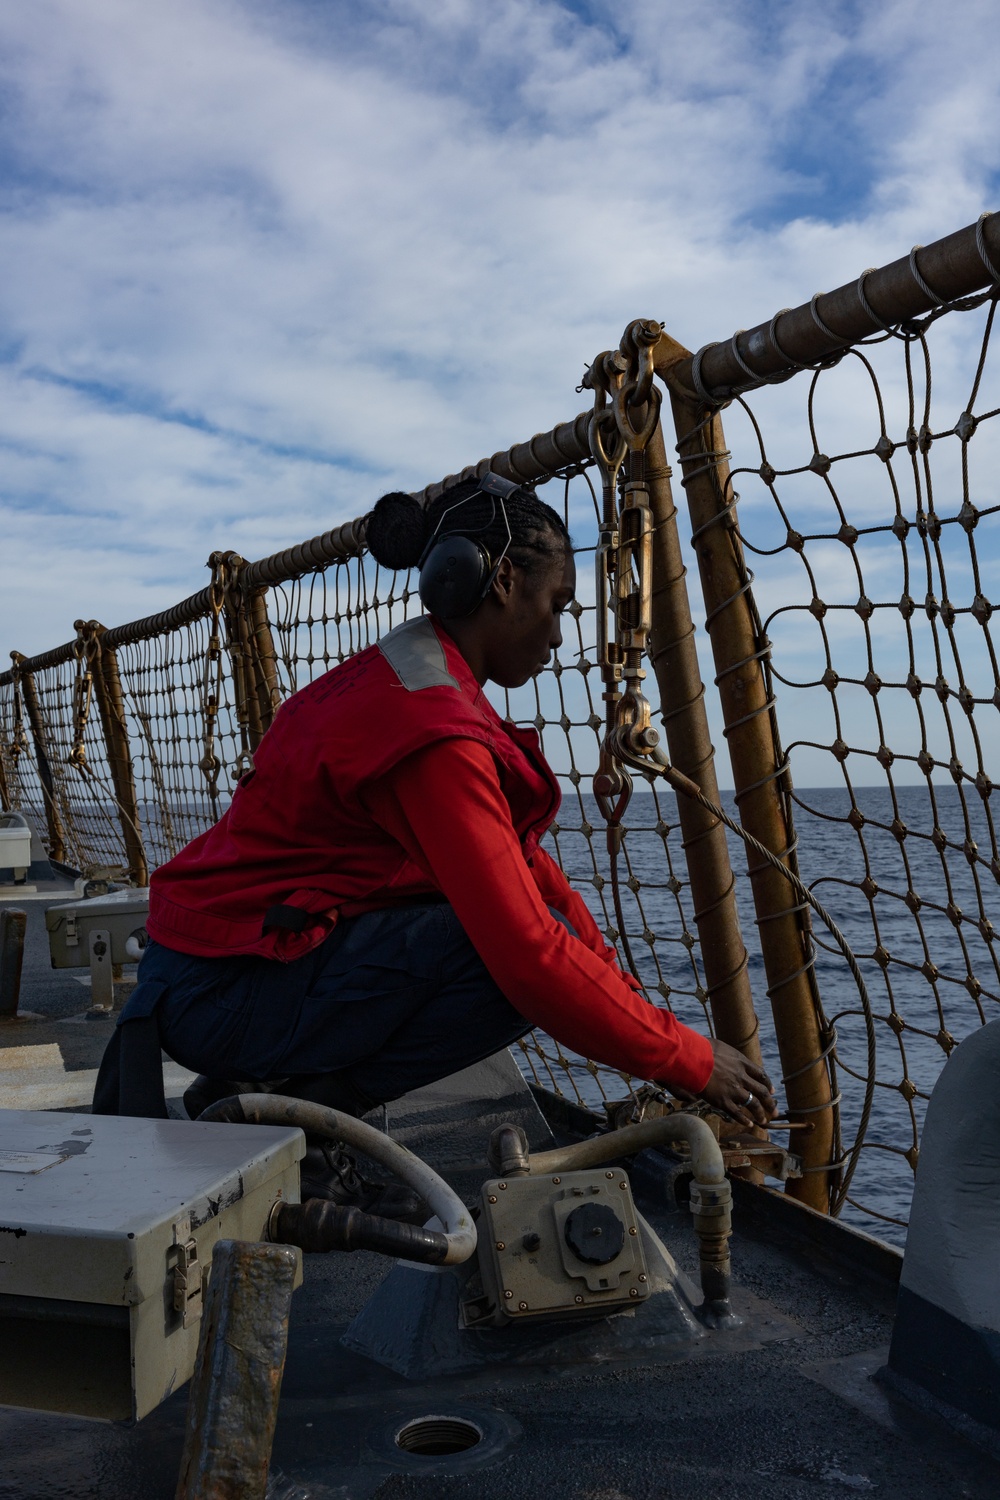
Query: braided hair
(399, 527)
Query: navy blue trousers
(390, 1001)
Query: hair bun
(396, 532)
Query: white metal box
(120, 915)
(15, 844)
(107, 1227)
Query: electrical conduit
(318, 1225)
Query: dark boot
(205, 1091)
(329, 1171)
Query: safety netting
(867, 509)
(868, 512)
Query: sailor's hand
(739, 1087)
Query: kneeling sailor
(375, 911)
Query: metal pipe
(674, 659)
(53, 818)
(706, 1153)
(758, 771)
(564, 446)
(508, 1151)
(265, 660)
(233, 1403)
(111, 707)
(6, 801)
(332, 1125)
(57, 657)
(194, 607)
(951, 268)
(712, 1215)
(332, 546)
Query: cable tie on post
(928, 291)
(825, 362)
(866, 305)
(984, 255)
(696, 379)
(824, 328)
(734, 347)
(772, 333)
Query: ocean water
(919, 1011)
(916, 1017)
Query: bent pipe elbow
(332, 1125)
(508, 1151)
(318, 1226)
(706, 1154)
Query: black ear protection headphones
(456, 571)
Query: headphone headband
(456, 570)
(498, 489)
(495, 484)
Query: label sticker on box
(29, 1161)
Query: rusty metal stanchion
(239, 644)
(111, 708)
(639, 552)
(5, 798)
(641, 573)
(53, 819)
(674, 660)
(233, 1402)
(265, 660)
(758, 769)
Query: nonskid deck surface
(793, 1418)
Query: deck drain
(452, 1442)
(438, 1437)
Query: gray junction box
(122, 914)
(107, 1227)
(556, 1247)
(99, 932)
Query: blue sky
(262, 262)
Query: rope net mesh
(85, 798)
(185, 754)
(19, 778)
(86, 813)
(320, 620)
(184, 751)
(868, 511)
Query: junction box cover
(559, 1246)
(121, 915)
(107, 1227)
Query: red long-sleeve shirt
(445, 807)
(393, 777)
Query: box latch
(187, 1277)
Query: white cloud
(262, 263)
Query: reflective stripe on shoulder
(417, 656)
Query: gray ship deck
(795, 1417)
